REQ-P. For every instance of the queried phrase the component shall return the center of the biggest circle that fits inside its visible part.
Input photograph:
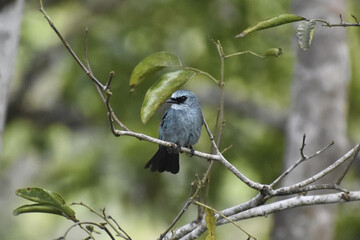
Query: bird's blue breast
(181, 126)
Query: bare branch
(302, 159)
(302, 154)
(194, 230)
(353, 151)
(119, 231)
(245, 52)
(353, 157)
(204, 73)
(183, 210)
(73, 54)
(295, 202)
(341, 24)
(355, 18)
(223, 216)
(306, 189)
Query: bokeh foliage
(58, 125)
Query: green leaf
(162, 90)
(44, 208)
(273, 52)
(47, 202)
(152, 64)
(210, 223)
(271, 22)
(304, 34)
(40, 195)
(64, 210)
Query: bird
(180, 124)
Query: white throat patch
(178, 106)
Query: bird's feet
(178, 148)
(192, 151)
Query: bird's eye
(181, 99)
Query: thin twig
(341, 24)
(112, 219)
(339, 180)
(302, 154)
(121, 234)
(215, 146)
(73, 54)
(86, 50)
(355, 18)
(211, 136)
(183, 210)
(204, 73)
(230, 167)
(222, 93)
(226, 149)
(86, 59)
(320, 174)
(88, 70)
(241, 53)
(302, 159)
(100, 226)
(191, 198)
(223, 216)
(104, 217)
(306, 189)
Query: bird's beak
(171, 100)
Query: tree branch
(298, 162)
(352, 152)
(341, 24)
(295, 202)
(194, 230)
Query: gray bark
(318, 108)
(10, 19)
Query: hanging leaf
(162, 90)
(46, 202)
(304, 34)
(273, 52)
(152, 64)
(210, 223)
(40, 195)
(45, 208)
(271, 22)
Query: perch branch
(194, 230)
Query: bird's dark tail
(164, 161)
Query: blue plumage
(180, 124)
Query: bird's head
(183, 98)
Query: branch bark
(194, 230)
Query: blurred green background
(57, 135)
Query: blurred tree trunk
(10, 19)
(319, 99)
